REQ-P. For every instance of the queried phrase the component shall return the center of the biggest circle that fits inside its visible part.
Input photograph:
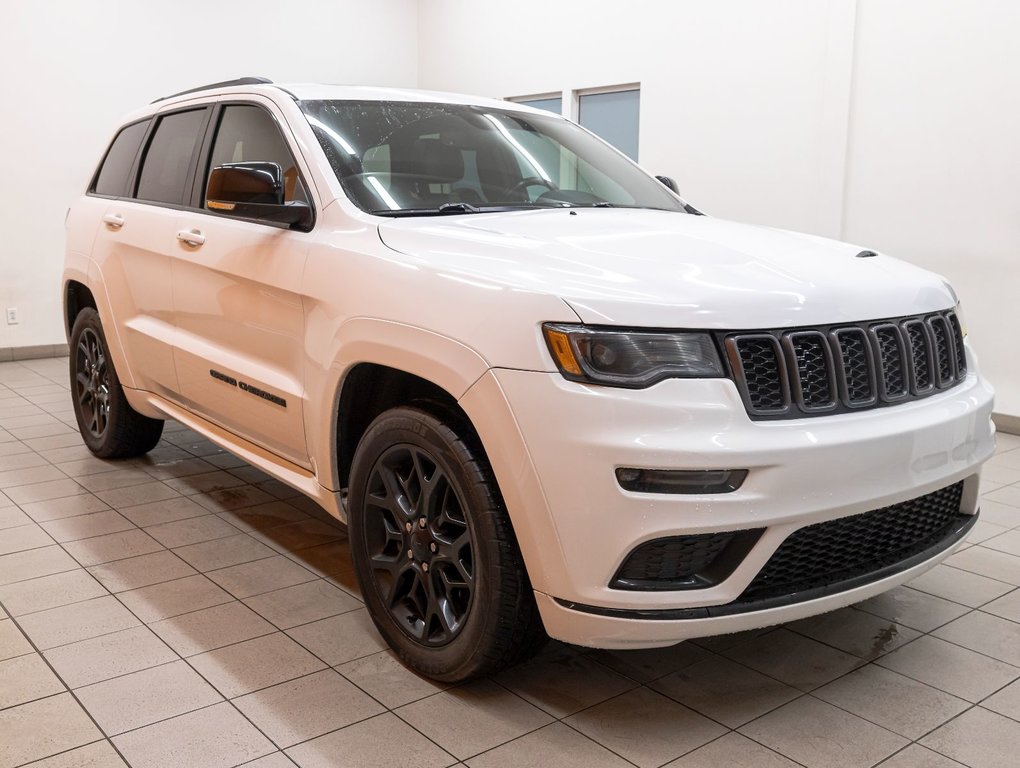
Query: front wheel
(110, 427)
(435, 554)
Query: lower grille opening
(685, 562)
(822, 559)
(847, 548)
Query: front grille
(826, 553)
(791, 373)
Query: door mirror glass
(244, 183)
(254, 190)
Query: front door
(237, 301)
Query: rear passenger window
(165, 169)
(113, 175)
(249, 134)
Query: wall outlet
(12, 316)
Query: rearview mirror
(254, 190)
(669, 184)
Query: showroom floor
(186, 611)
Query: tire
(434, 551)
(110, 427)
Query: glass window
(165, 169)
(250, 134)
(614, 117)
(552, 104)
(113, 176)
(413, 158)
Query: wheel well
(369, 389)
(76, 298)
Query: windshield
(403, 158)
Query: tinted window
(249, 134)
(165, 169)
(113, 176)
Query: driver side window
(248, 133)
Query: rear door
(239, 313)
(135, 241)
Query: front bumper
(555, 445)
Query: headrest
(437, 162)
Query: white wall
(895, 125)
(71, 68)
(732, 93)
(934, 158)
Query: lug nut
(407, 527)
(433, 546)
(425, 567)
(422, 522)
(410, 555)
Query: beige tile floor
(186, 611)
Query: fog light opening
(689, 481)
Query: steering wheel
(528, 181)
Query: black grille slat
(763, 372)
(961, 354)
(920, 356)
(796, 372)
(943, 351)
(812, 367)
(837, 550)
(857, 371)
(890, 357)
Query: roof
(322, 92)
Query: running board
(298, 478)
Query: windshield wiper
(450, 208)
(458, 208)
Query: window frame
(192, 201)
(146, 145)
(130, 180)
(195, 198)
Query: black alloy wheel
(109, 426)
(92, 383)
(420, 544)
(434, 550)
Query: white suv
(546, 394)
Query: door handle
(192, 237)
(113, 220)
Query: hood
(659, 269)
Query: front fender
(439, 359)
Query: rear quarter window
(112, 179)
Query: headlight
(634, 359)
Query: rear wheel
(110, 427)
(436, 557)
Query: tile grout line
(970, 610)
(68, 690)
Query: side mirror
(669, 184)
(254, 190)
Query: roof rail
(224, 84)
